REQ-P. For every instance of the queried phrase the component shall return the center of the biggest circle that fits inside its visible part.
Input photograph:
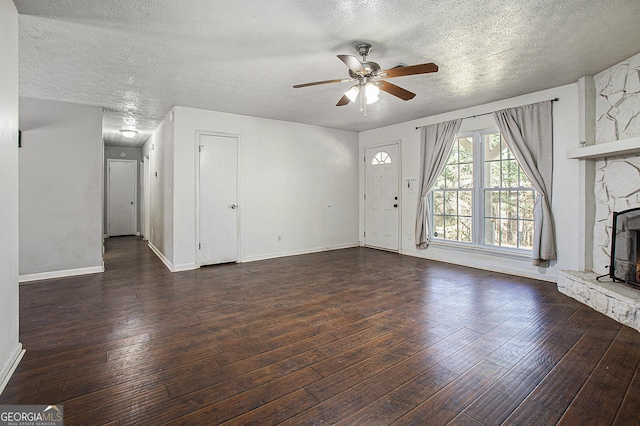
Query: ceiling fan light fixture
(353, 92)
(372, 92)
(128, 133)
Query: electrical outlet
(410, 237)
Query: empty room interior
(326, 212)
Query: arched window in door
(380, 157)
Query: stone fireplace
(611, 110)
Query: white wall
(115, 153)
(10, 347)
(565, 182)
(296, 181)
(61, 187)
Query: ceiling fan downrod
(364, 49)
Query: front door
(382, 193)
(122, 178)
(218, 199)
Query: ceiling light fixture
(372, 92)
(128, 133)
(368, 92)
(353, 92)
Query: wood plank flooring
(354, 336)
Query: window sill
(514, 254)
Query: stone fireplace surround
(615, 155)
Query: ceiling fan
(369, 78)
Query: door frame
(135, 193)
(197, 191)
(146, 197)
(363, 175)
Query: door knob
(395, 205)
(131, 202)
(233, 206)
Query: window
(380, 158)
(483, 197)
(453, 193)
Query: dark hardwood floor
(355, 336)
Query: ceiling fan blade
(353, 63)
(409, 70)
(343, 101)
(315, 83)
(398, 91)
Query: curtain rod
(484, 113)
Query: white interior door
(218, 199)
(121, 197)
(382, 193)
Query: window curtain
(436, 142)
(528, 132)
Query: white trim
(185, 267)
(10, 365)
(299, 252)
(458, 246)
(61, 274)
(146, 203)
(508, 268)
(170, 266)
(161, 256)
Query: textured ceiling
(139, 58)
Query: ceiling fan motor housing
(371, 68)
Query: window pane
(509, 204)
(438, 225)
(438, 202)
(510, 174)
(492, 232)
(453, 156)
(492, 204)
(527, 201)
(492, 147)
(466, 175)
(526, 234)
(506, 152)
(440, 182)
(492, 174)
(509, 233)
(450, 202)
(465, 146)
(380, 158)
(464, 203)
(451, 227)
(451, 175)
(465, 229)
(524, 180)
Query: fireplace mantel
(610, 149)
